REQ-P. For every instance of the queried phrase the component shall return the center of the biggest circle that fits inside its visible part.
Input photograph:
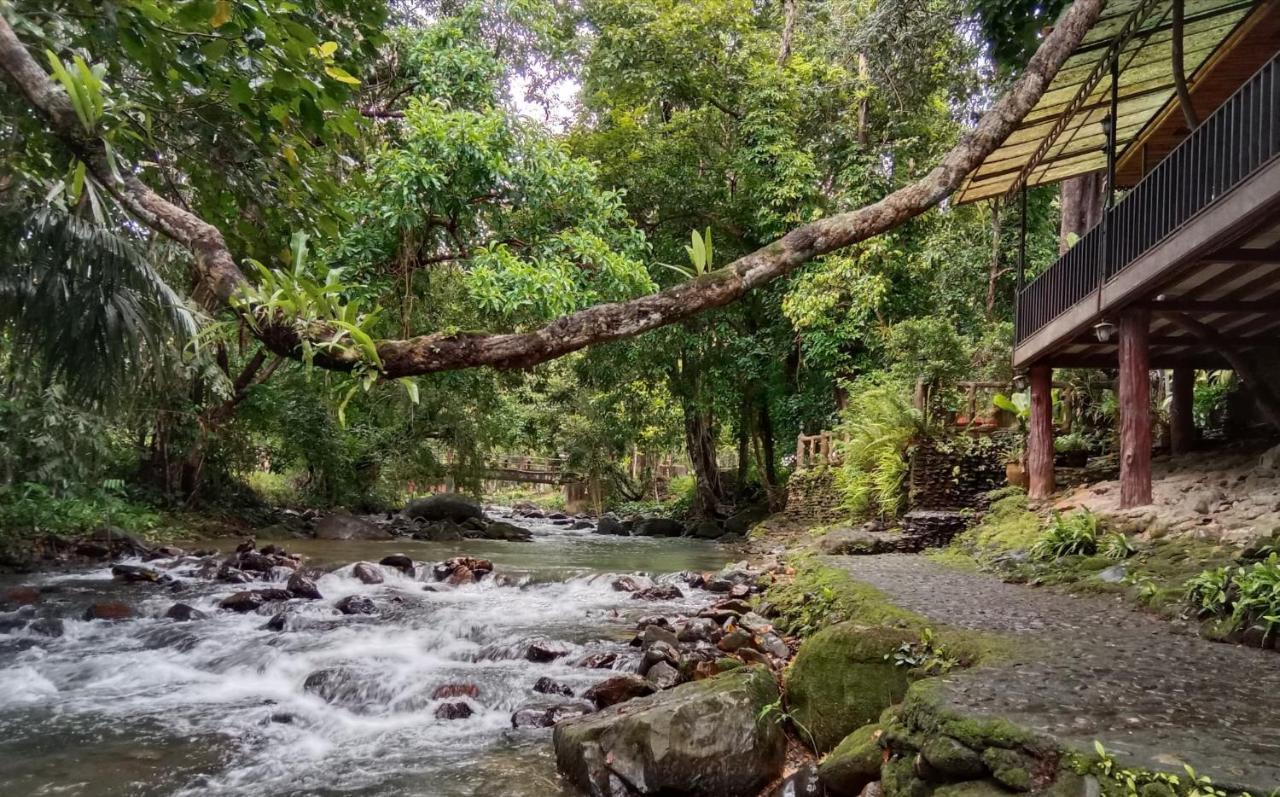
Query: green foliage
(876, 435)
(1117, 546)
(29, 510)
(927, 656)
(1131, 782)
(1071, 443)
(1075, 534)
(1245, 596)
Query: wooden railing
(813, 450)
(1238, 139)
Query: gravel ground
(1154, 694)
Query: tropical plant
(1117, 546)
(1075, 534)
(874, 441)
(927, 655)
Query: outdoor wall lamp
(1104, 331)
(1106, 129)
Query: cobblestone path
(1156, 695)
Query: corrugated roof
(1144, 87)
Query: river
(151, 706)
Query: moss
(1011, 768)
(820, 595)
(952, 759)
(898, 779)
(972, 788)
(923, 712)
(840, 680)
(853, 764)
(726, 663)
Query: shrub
(1246, 596)
(1069, 535)
(1117, 546)
(877, 432)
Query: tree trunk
(1179, 67)
(1040, 433)
(744, 446)
(788, 30)
(1082, 205)
(613, 321)
(700, 441)
(1135, 409)
(1182, 423)
(994, 271)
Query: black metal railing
(1238, 139)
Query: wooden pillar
(1135, 409)
(1040, 433)
(1182, 423)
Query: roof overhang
(1064, 135)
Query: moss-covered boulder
(898, 779)
(972, 788)
(855, 762)
(841, 680)
(1012, 768)
(708, 738)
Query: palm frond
(84, 303)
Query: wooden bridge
(535, 470)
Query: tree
(90, 142)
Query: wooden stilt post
(1135, 409)
(1182, 423)
(1040, 433)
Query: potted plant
(1015, 467)
(1071, 450)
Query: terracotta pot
(1016, 475)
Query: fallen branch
(598, 324)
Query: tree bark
(788, 30)
(700, 441)
(1081, 201)
(1040, 433)
(1182, 422)
(1135, 409)
(994, 270)
(606, 322)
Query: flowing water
(151, 706)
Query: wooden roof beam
(1211, 306)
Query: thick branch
(788, 30)
(1179, 67)
(602, 323)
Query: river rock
(108, 610)
(367, 573)
(300, 586)
(346, 526)
(184, 613)
(254, 562)
(501, 530)
(654, 634)
(611, 525)
(446, 691)
(853, 764)
(703, 739)
(445, 506)
(453, 711)
(47, 626)
(356, 604)
(630, 583)
(439, 531)
(662, 675)
(134, 574)
(597, 661)
(549, 687)
(658, 527)
(707, 529)
(22, 596)
(699, 629)
(543, 652)
(462, 570)
(659, 592)
(618, 689)
(582, 524)
(400, 562)
(250, 600)
(546, 713)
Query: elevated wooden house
(1178, 265)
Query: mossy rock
(972, 788)
(926, 712)
(898, 779)
(951, 759)
(1011, 768)
(840, 680)
(854, 763)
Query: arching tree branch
(598, 324)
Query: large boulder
(611, 525)
(708, 738)
(658, 527)
(346, 526)
(445, 506)
(854, 542)
(439, 531)
(742, 521)
(501, 530)
(842, 678)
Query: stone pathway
(1154, 694)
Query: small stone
(400, 562)
(952, 759)
(453, 711)
(47, 626)
(302, 587)
(549, 687)
(597, 661)
(446, 691)
(367, 573)
(699, 629)
(662, 675)
(108, 610)
(629, 583)
(618, 689)
(22, 596)
(184, 613)
(134, 574)
(1010, 767)
(654, 634)
(659, 592)
(542, 714)
(356, 604)
(735, 639)
(543, 652)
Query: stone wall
(957, 472)
(812, 496)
